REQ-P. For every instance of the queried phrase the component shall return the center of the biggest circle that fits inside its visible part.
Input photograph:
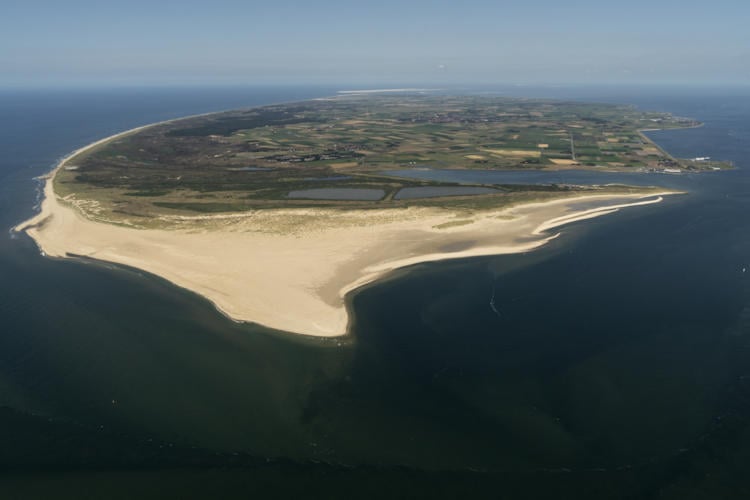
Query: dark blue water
(614, 363)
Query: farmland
(253, 159)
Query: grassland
(251, 159)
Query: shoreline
(252, 276)
(316, 270)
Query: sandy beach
(296, 280)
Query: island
(276, 213)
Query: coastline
(298, 282)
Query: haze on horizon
(45, 43)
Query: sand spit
(296, 281)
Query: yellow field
(348, 164)
(563, 162)
(524, 153)
(475, 157)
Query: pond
(358, 194)
(437, 191)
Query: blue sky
(48, 43)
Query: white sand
(297, 280)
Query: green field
(251, 159)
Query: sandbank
(297, 280)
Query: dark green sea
(613, 363)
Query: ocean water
(613, 363)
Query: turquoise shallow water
(615, 359)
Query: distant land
(276, 213)
(385, 91)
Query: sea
(612, 363)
